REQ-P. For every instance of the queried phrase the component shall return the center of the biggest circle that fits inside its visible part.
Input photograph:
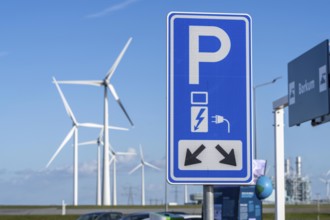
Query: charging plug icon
(218, 119)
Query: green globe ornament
(264, 187)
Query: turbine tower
(99, 143)
(114, 160)
(142, 164)
(107, 85)
(327, 184)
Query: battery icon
(199, 111)
(199, 98)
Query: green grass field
(38, 217)
(299, 216)
(293, 212)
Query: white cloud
(88, 168)
(47, 186)
(51, 186)
(127, 158)
(112, 8)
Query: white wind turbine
(142, 164)
(74, 131)
(327, 184)
(114, 160)
(107, 85)
(97, 142)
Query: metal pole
(254, 123)
(278, 107)
(166, 203)
(185, 194)
(255, 111)
(208, 202)
(279, 165)
(63, 208)
(318, 206)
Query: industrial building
(297, 186)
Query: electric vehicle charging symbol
(199, 112)
(218, 119)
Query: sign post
(209, 135)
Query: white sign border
(220, 16)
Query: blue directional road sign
(209, 137)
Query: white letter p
(195, 56)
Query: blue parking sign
(209, 135)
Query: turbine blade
(115, 95)
(136, 168)
(125, 153)
(66, 139)
(94, 125)
(323, 180)
(152, 166)
(110, 146)
(115, 64)
(113, 91)
(118, 128)
(113, 158)
(141, 153)
(111, 151)
(125, 112)
(87, 143)
(101, 134)
(90, 125)
(66, 104)
(82, 82)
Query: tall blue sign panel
(209, 137)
